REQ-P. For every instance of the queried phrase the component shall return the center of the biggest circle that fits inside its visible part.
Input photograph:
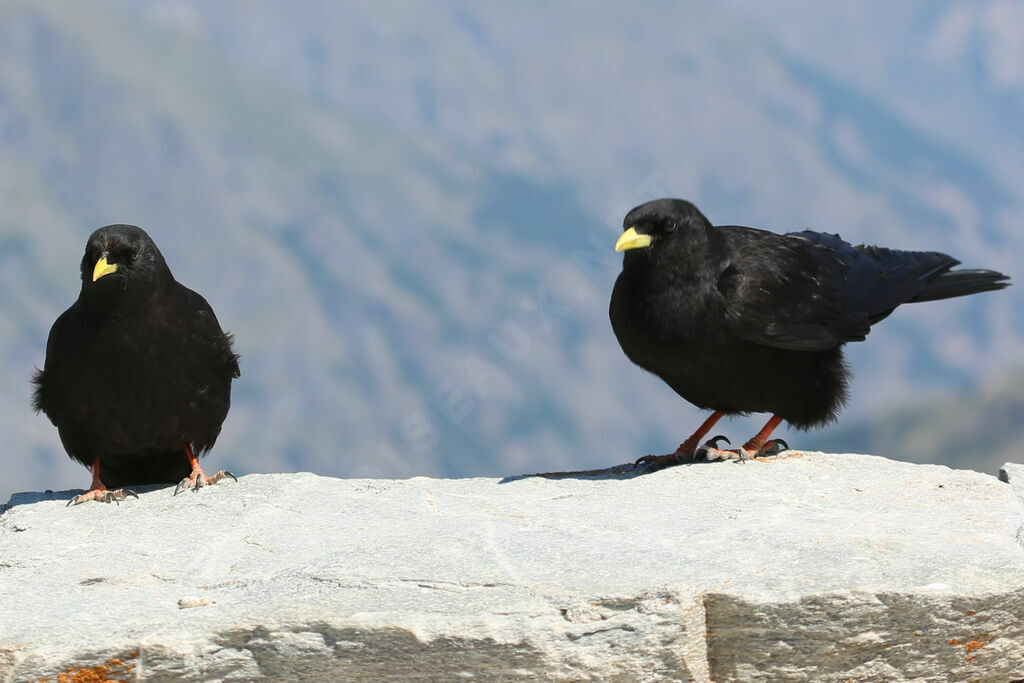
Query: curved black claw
(774, 447)
(657, 462)
(711, 445)
(648, 460)
(201, 480)
(187, 483)
(118, 495)
(184, 484)
(713, 441)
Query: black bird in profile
(739, 320)
(138, 372)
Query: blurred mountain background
(406, 213)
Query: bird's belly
(805, 388)
(136, 404)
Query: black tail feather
(961, 283)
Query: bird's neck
(111, 301)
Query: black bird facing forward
(138, 372)
(739, 320)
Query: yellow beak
(103, 268)
(631, 239)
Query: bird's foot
(688, 451)
(102, 494)
(198, 479)
(773, 447)
(653, 463)
(710, 451)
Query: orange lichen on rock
(970, 646)
(111, 671)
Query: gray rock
(802, 568)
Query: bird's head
(120, 259)
(659, 225)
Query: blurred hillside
(405, 213)
(980, 429)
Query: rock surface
(806, 567)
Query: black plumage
(138, 371)
(739, 320)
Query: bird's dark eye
(670, 226)
(126, 256)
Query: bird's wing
(204, 329)
(60, 338)
(812, 291)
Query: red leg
(193, 461)
(198, 479)
(756, 444)
(98, 491)
(686, 449)
(689, 447)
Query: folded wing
(812, 291)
